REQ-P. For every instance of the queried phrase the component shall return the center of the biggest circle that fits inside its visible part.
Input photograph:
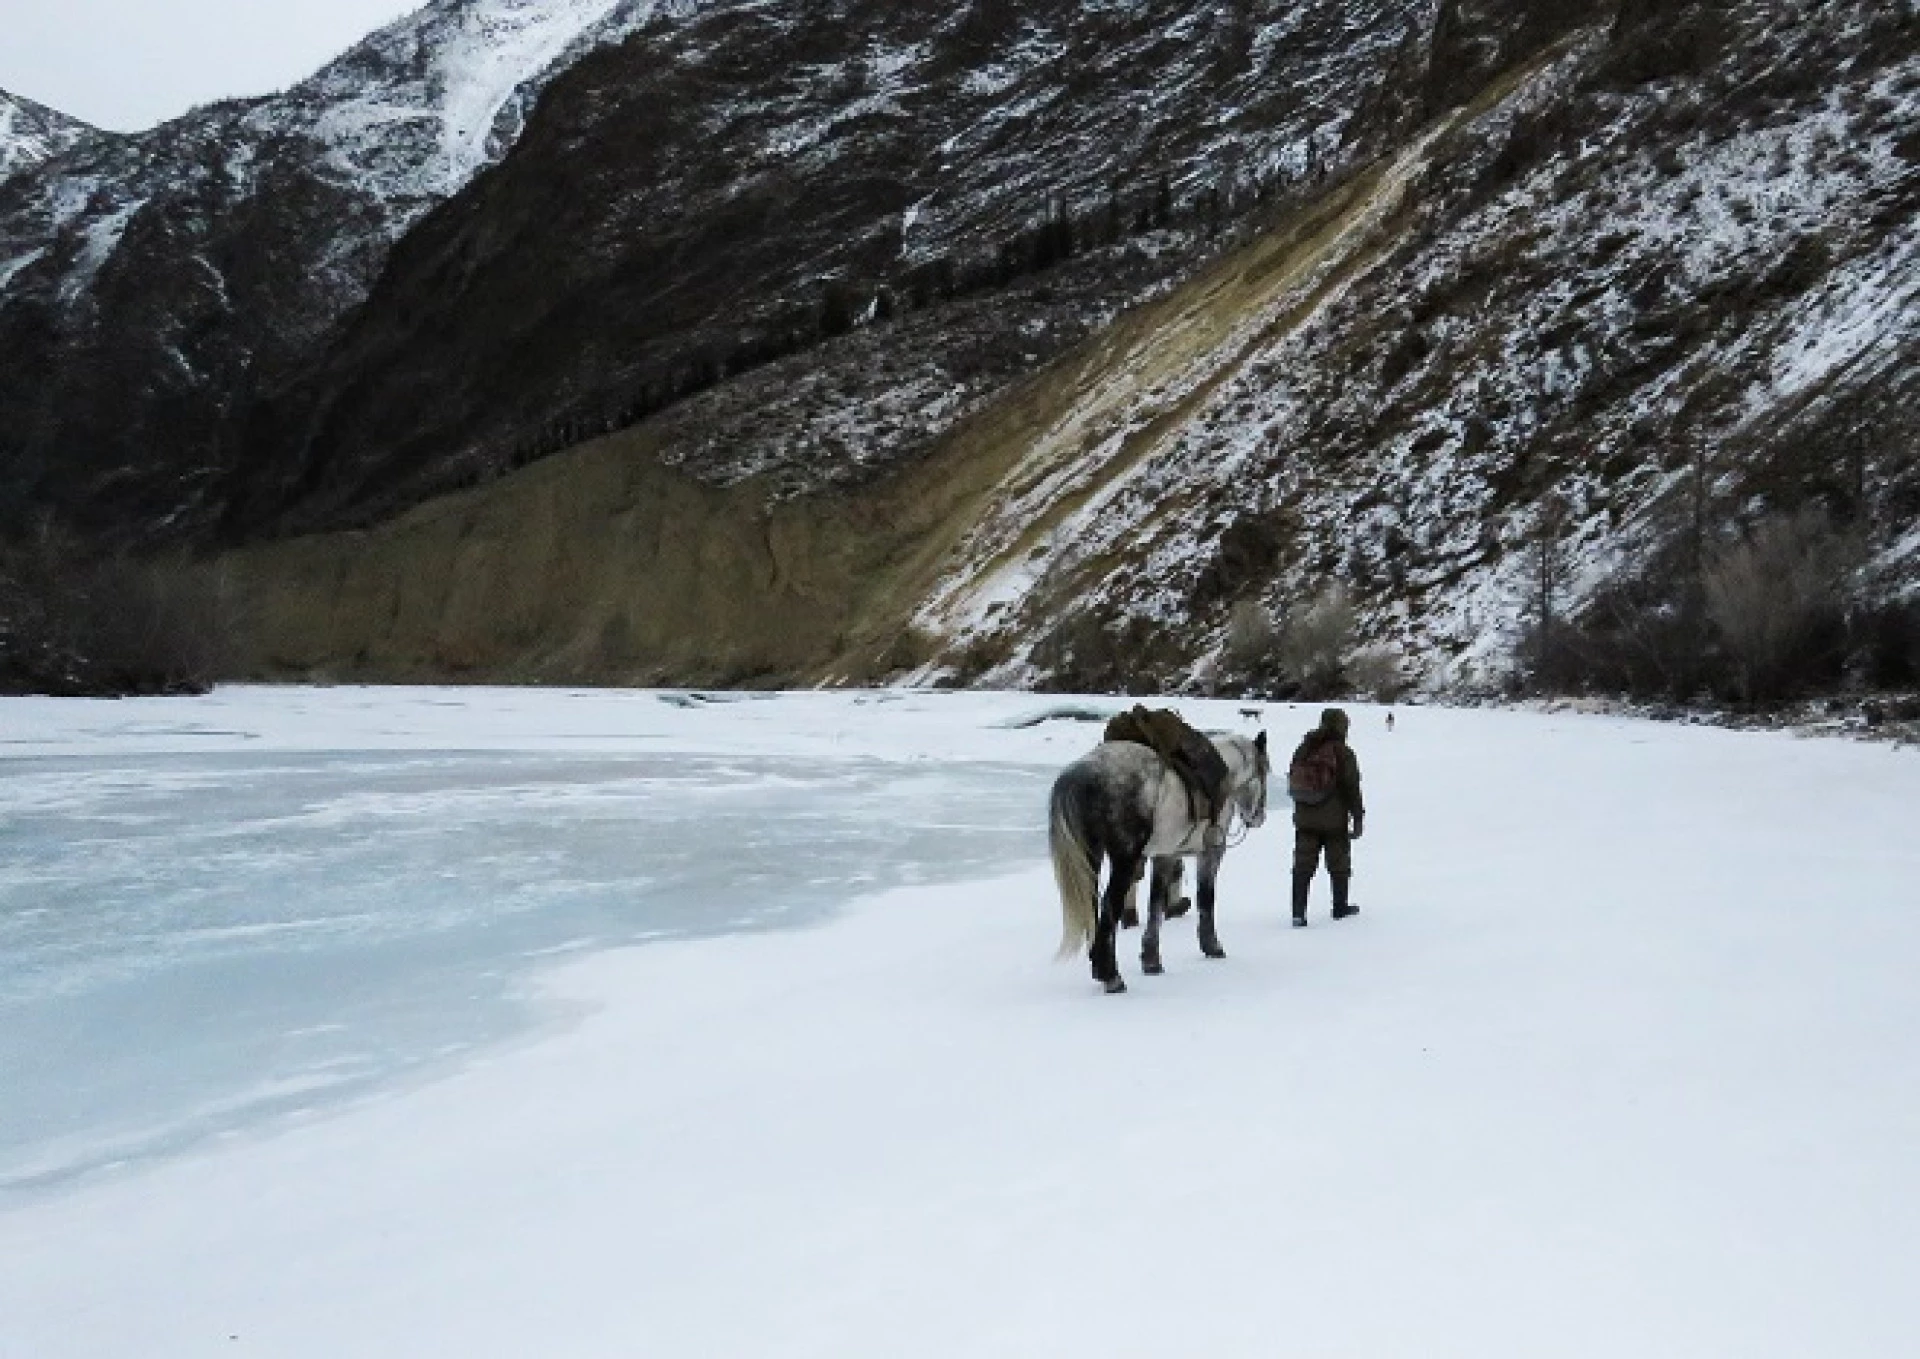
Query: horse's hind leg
(1209, 938)
(1123, 869)
(1166, 881)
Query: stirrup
(1214, 836)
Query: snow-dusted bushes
(1252, 644)
(1777, 599)
(1771, 614)
(1311, 654)
(1317, 641)
(1085, 654)
(1378, 673)
(1644, 637)
(72, 622)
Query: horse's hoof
(1179, 908)
(1213, 950)
(1115, 986)
(1152, 969)
(1129, 919)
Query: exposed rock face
(31, 133)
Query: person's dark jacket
(1344, 809)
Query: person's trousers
(1308, 845)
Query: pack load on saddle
(1188, 753)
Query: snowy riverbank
(1617, 1060)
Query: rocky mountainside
(153, 285)
(1675, 272)
(727, 185)
(31, 133)
(1030, 342)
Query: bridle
(1261, 769)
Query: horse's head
(1250, 787)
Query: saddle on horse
(1189, 754)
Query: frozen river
(240, 908)
(1616, 1059)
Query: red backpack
(1315, 772)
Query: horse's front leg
(1166, 881)
(1177, 904)
(1209, 937)
(1106, 968)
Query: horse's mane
(1262, 757)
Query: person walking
(1328, 813)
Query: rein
(1241, 818)
(1260, 771)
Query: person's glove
(1359, 824)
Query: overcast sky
(128, 64)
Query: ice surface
(1617, 1059)
(191, 939)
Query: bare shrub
(1252, 641)
(1316, 642)
(1778, 601)
(1085, 654)
(72, 622)
(1378, 673)
(1637, 638)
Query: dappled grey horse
(1123, 805)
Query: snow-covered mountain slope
(150, 283)
(683, 206)
(1018, 340)
(31, 133)
(1654, 262)
(677, 208)
(1669, 245)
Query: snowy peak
(426, 103)
(31, 133)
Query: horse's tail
(1073, 865)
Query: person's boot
(1302, 883)
(1342, 908)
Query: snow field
(1617, 1059)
